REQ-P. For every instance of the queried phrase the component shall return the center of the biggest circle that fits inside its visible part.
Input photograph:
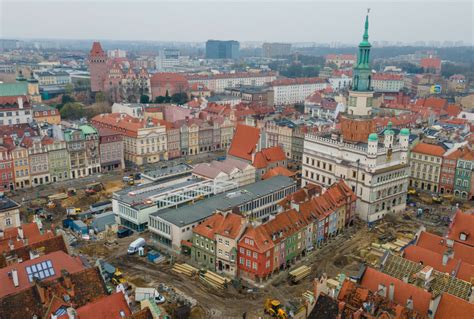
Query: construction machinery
(94, 188)
(274, 308)
(117, 278)
(411, 191)
(51, 205)
(437, 199)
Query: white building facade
(290, 91)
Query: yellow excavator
(274, 308)
(118, 277)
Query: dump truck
(299, 273)
(274, 308)
(94, 188)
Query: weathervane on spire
(366, 31)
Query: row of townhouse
(29, 159)
(437, 170)
(219, 82)
(238, 248)
(152, 140)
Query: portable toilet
(141, 251)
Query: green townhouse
(463, 177)
(59, 162)
(203, 250)
(288, 231)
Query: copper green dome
(404, 132)
(373, 137)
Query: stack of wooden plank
(213, 280)
(185, 269)
(299, 273)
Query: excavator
(274, 308)
(118, 277)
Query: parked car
(124, 232)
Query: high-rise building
(97, 67)
(374, 166)
(216, 49)
(272, 50)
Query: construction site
(209, 295)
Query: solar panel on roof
(40, 270)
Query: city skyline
(307, 22)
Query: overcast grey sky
(292, 21)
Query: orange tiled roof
(108, 307)
(438, 244)
(462, 223)
(453, 307)
(403, 291)
(278, 171)
(245, 141)
(210, 226)
(262, 241)
(59, 259)
(268, 155)
(453, 110)
(30, 232)
(231, 226)
(428, 149)
(430, 63)
(123, 123)
(462, 270)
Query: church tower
(357, 123)
(33, 89)
(97, 67)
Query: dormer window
(463, 236)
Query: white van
(135, 245)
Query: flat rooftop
(189, 214)
(164, 171)
(136, 196)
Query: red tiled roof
(229, 75)
(462, 270)
(13, 100)
(231, 226)
(30, 232)
(262, 242)
(403, 291)
(428, 149)
(210, 226)
(278, 171)
(387, 77)
(97, 50)
(430, 63)
(340, 57)
(453, 110)
(462, 223)
(435, 103)
(452, 307)
(162, 78)
(245, 141)
(59, 259)
(123, 123)
(268, 155)
(297, 81)
(284, 225)
(438, 244)
(108, 307)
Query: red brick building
(168, 82)
(97, 67)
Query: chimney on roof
(67, 279)
(391, 291)
(71, 313)
(410, 303)
(15, 279)
(10, 244)
(20, 233)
